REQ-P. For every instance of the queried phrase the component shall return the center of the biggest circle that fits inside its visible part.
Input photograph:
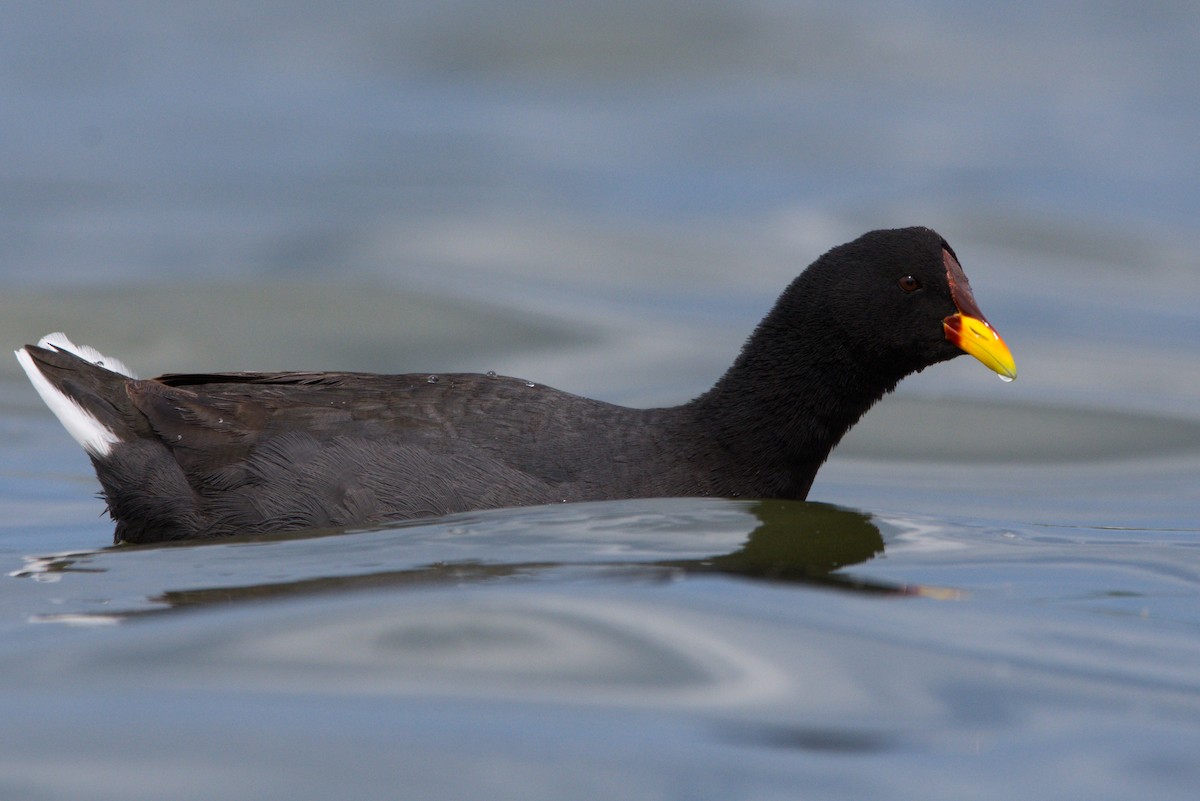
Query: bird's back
(215, 454)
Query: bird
(202, 455)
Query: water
(997, 593)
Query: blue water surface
(996, 590)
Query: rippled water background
(1003, 600)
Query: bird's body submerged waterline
(217, 454)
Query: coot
(206, 455)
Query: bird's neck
(788, 399)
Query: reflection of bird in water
(793, 543)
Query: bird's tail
(85, 389)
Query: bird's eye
(909, 284)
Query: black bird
(204, 455)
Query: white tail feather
(96, 438)
(59, 341)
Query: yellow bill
(976, 337)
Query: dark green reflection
(799, 542)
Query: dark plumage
(217, 454)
